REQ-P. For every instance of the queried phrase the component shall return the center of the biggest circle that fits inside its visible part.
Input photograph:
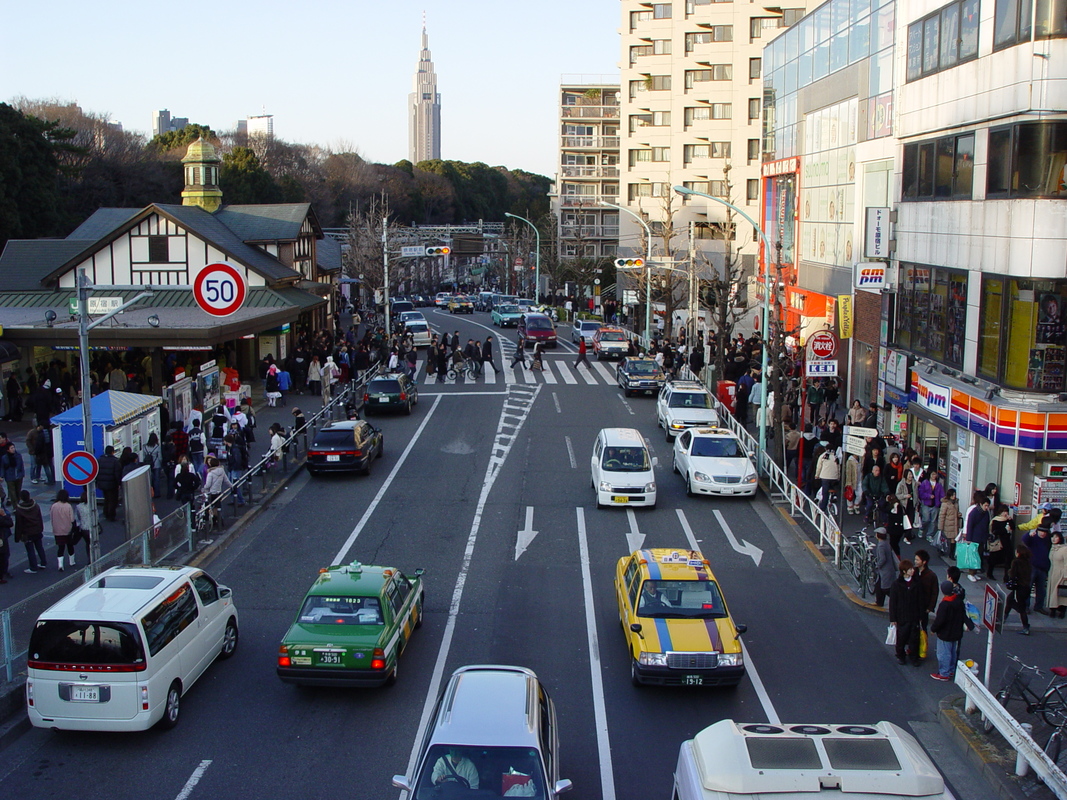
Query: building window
(931, 313)
(158, 250)
(660, 83)
(722, 111)
(753, 151)
(716, 33)
(752, 191)
(636, 87)
(754, 108)
(693, 39)
(756, 26)
(696, 114)
(639, 51)
(696, 152)
(661, 47)
(753, 69)
(1012, 24)
(720, 149)
(637, 156)
(717, 72)
(1027, 160)
(661, 11)
(791, 16)
(698, 186)
(717, 188)
(661, 118)
(636, 190)
(637, 17)
(639, 121)
(1021, 336)
(944, 39)
(661, 154)
(942, 169)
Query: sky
(332, 73)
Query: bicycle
(464, 367)
(858, 559)
(1052, 702)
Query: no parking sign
(80, 468)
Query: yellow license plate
(620, 498)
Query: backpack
(196, 441)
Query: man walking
(581, 353)
(108, 477)
(520, 350)
(487, 354)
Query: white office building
(424, 110)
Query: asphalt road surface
(487, 486)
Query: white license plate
(694, 680)
(85, 694)
(383, 399)
(330, 658)
(620, 498)
(333, 458)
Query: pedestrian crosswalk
(557, 371)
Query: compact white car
(713, 461)
(408, 316)
(420, 332)
(623, 471)
(684, 404)
(441, 300)
(585, 328)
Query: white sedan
(713, 461)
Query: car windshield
(716, 447)
(460, 298)
(690, 400)
(337, 438)
(538, 324)
(626, 459)
(591, 327)
(319, 610)
(508, 309)
(509, 298)
(384, 386)
(643, 367)
(681, 599)
(613, 336)
(449, 771)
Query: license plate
(330, 658)
(383, 399)
(333, 458)
(85, 694)
(620, 498)
(694, 680)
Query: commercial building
(163, 122)
(259, 127)
(424, 110)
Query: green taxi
(352, 627)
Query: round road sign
(80, 468)
(823, 344)
(220, 289)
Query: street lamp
(766, 305)
(648, 266)
(537, 256)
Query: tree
(364, 255)
(246, 181)
(167, 143)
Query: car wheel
(381, 447)
(391, 680)
(689, 486)
(229, 640)
(407, 410)
(635, 679)
(674, 464)
(173, 708)
(422, 605)
(667, 434)
(366, 467)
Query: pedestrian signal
(623, 263)
(438, 251)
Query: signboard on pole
(856, 430)
(80, 468)
(844, 316)
(822, 344)
(854, 445)
(412, 251)
(821, 368)
(877, 241)
(220, 289)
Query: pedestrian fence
(1028, 753)
(171, 534)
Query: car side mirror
(401, 782)
(655, 461)
(741, 628)
(635, 627)
(419, 572)
(562, 786)
(225, 591)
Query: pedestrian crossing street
(558, 370)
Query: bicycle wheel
(1003, 696)
(1054, 706)
(451, 374)
(872, 578)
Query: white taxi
(684, 404)
(713, 461)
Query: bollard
(969, 706)
(1022, 766)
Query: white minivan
(623, 471)
(118, 653)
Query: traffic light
(623, 263)
(438, 251)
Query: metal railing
(857, 558)
(1028, 752)
(152, 546)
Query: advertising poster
(209, 389)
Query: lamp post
(766, 304)
(648, 266)
(537, 256)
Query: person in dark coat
(928, 580)
(442, 361)
(107, 481)
(29, 529)
(487, 354)
(1020, 581)
(906, 608)
(885, 564)
(948, 624)
(7, 522)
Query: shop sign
(896, 369)
(896, 397)
(831, 311)
(930, 396)
(877, 243)
(870, 275)
(823, 368)
(844, 320)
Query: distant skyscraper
(424, 110)
(163, 122)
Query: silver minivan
(492, 733)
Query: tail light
(356, 453)
(283, 657)
(378, 661)
(403, 396)
(366, 397)
(144, 698)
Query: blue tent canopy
(110, 408)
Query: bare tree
(364, 260)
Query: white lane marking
(688, 531)
(526, 535)
(546, 371)
(600, 717)
(570, 452)
(497, 393)
(555, 399)
(194, 779)
(501, 447)
(743, 547)
(489, 373)
(351, 540)
(634, 539)
(605, 373)
(565, 372)
(623, 400)
(586, 374)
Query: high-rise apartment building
(258, 127)
(588, 169)
(163, 122)
(692, 105)
(424, 110)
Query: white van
(118, 653)
(623, 472)
(730, 760)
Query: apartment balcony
(589, 231)
(588, 171)
(586, 200)
(591, 142)
(590, 112)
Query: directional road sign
(220, 289)
(856, 430)
(80, 468)
(412, 251)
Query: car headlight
(650, 486)
(700, 476)
(652, 659)
(731, 659)
(750, 478)
(677, 426)
(605, 486)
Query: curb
(980, 753)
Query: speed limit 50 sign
(220, 289)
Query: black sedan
(639, 375)
(345, 447)
(393, 390)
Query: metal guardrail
(152, 546)
(981, 699)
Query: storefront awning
(110, 408)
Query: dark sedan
(639, 375)
(393, 390)
(345, 447)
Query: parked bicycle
(1051, 702)
(857, 557)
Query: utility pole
(385, 271)
(691, 325)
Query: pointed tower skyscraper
(424, 110)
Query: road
(464, 483)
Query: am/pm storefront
(1020, 446)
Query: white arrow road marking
(526, 535)
(634, 539)
(744, 548)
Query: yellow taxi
(676, 622)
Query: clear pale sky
(332, 73)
